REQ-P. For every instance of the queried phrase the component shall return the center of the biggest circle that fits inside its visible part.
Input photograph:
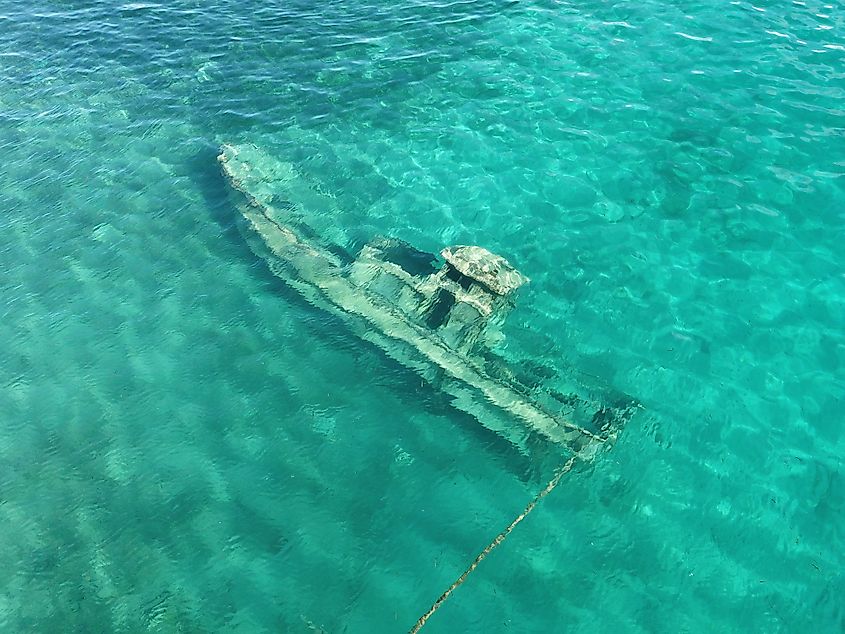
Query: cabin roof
(492, 270)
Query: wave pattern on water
(186, 445)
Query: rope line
(566, 468)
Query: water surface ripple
(186, 445)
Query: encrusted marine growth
(436, 321)
(489, 269)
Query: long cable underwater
(563, 470)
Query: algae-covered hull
(435, 322)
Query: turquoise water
(186, 445)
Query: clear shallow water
(186, 445)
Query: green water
(186, 445)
